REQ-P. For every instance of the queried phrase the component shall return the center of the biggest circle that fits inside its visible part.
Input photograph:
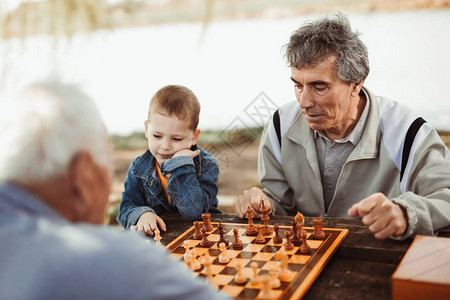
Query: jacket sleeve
(427, 200)
(191, 194)
(272, 177)
(133, 203)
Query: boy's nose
(166, 145)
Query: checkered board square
(304, 267)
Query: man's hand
(253, 199)
(148, 222)
(383, 217)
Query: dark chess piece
(207, 222)
(305, 248)
(251, 228)
(288, 246)
(237, 244)
(260, 239)
(266, 230)
(277, 239)
(205, 242)
(295, 237)
(197, 233)
(222, 236)
(318, 233)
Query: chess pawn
(205, 242)
(266, 290)
(274, 281)
(237, 244)
(251, 229)
(318, 233)
(295, 239)
(157, 237)
(260, 239)
(277, 239)
(207, 222)
(284, 273)
(288, 246)
(223, 257)
(197, 233)
(239, 277)
(255, 280)
(305, 248)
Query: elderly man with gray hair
(341, 151)
(54, 185)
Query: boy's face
(167, 135)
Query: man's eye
(320, 88)
(299, 87)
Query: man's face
(325, 100)
(167, 135)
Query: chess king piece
(318, 233)
(237, 244)
(266, 230)
(207, 222)
(197, 233)
(251, 229)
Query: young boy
(173, 174)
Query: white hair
(44, 127)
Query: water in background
(230, 63)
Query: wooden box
(424, 272)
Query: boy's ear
(196, 136)
(146, 128)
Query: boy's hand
(187, 152)
(148, 222)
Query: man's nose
(305, 99)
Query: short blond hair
(176, 100)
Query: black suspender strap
(276, 124)
(409, 139)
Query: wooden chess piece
(255, 280)
(277, 239)
(305, 248)
(195, 264)
(223, 257)
(207, 262)
(318, 233)
(284, 274)
(260, 239)
(240, 276)
(266, 230)
(295, 239)
(251, 229)
(266, 290)
(288, 246)
(237, 244)
(197, 233)
(207, 222)
(205, 242)
(222, 238)
(157, 237)
(274, 281)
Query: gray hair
(44, 127)
(317, 40)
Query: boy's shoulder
(142, 164)
(206, 156)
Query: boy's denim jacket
(192, 187)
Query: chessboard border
(304, 278)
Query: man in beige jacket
(341, 151)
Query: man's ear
(357, 87)
(79, 171)
(196, 136)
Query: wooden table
(360, 269)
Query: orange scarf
(163, 181)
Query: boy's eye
(177, 139)
(156, 136)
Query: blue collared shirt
(44, 256)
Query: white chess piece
(239, 277)
(223, 257)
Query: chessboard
(303, 267)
